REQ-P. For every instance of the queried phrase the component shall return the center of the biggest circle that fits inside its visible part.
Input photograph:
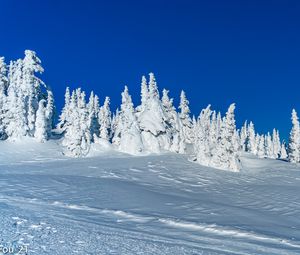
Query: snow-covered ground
(113, 203)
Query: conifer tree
(130, 140)
(261, 153)
(294, 142)
(65, 114)
(174, 125)
(226, 155)
(185, 118)
(213, 131)
(244, 137)
(116, 128)
(77, 137)
(152, 121)
(3, 99)
(251, 145)
(202, 146)
(283, 152)
(16, 119)
(105, 120)
(144, 95)
(41, 124)
(93, 112)
(49, 112)
(269, 146)
(276, 143)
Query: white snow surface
(112, 203)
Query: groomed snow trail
(112, 203)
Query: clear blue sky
(247, 52)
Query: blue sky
(247, 52)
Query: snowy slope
(113, 203)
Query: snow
(113, 203)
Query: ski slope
(112, 203)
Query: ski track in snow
(116, 204)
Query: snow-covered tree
(3, 99)
(244, 136)
(105, 120)
(202, 146)
(219, 124)
(16, 117)
(276, 143)
(144, 95)
(251, 144)
(269, 146)
(31, 84)
(226, 156)
(31, 87)
(31, 114)
(49, 112)
(174, 124)
(41, 123)
(115, 130)
(152, 121)
(65, 114)
(77, 137)
(294, 142)
(185, 118)
(25, 87)
(283, 152)
(261, 151)
(93, 111)
(213, 131)
(130, 140)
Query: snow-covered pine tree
(31, 87)
(244, 136)
(185, 118)
(257, 138)
(294, 142)
(174, 124)
(16, 126)
(144, 96)
(96, 110)
(49, 112)
(41, 123)
(219, 123)
(269, 146)
(105, 120)
(25, 87)
(3, 99)
(226, 156)
(85, 125)
(65, 114)
(194, 128)
(116, 128)
(15, 119)
(93, 112)
(213, 131)
(202, 146)
(152, 121)
(130, 140)
(276, 144)
(236, 142)
(31, 113)
(261, 152)
(251, 144)
(77, 137)
(283, 151)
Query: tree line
(27, 110)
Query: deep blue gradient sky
(247, 52)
